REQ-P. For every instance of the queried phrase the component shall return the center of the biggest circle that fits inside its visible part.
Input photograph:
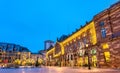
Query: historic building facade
(97, 44)
(107, 24)
(76, 49)
(79, 45)
(10, 52)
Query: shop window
(94, 60)
(81, 61)
(103, 32)
(107, 56)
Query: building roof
(36, 53)
(117, 3)
(13, 47)
(49, 41)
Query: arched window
(103, 32)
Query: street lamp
(88, 57)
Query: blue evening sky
(30, 22)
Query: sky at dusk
(30, 22)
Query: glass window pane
(103, 32)
(101, 23)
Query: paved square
(58, 70)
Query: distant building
(10, 52)
(48, 44)
(24, 55)
(43, 52)
(36, 56)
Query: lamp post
(88, 57)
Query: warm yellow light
(86, 60)
(86, 45)
(90, 27)
(18, 53)
(67, 43)
(94, 60)
(107, 56)
(105, 46)
(84, 34)
(80, 61)
(69, 40)
(57, 55)
(78, 37)
(74, 40)
(61, 52)
(50, 51)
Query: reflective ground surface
(58, 70)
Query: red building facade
(107, 24)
